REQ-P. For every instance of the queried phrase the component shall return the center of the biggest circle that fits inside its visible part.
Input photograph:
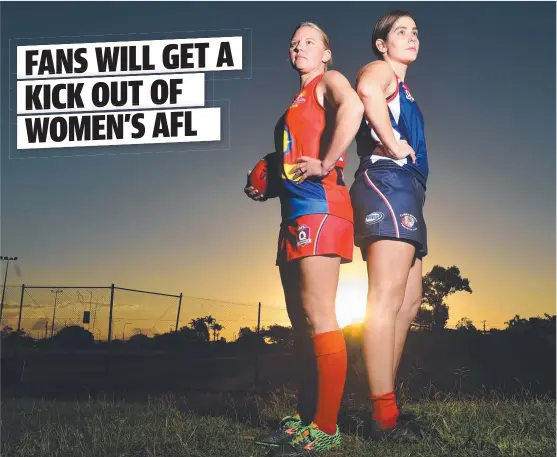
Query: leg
(314, 245)
(319, 281)
(409, 309)
(306, 367)
(307, 372)
(318, 289)
(389, 262)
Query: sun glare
(351, 301)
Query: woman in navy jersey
(388, 196)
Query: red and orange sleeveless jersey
(305, 130)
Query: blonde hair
(324, 38)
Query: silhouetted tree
(466, 325)
(179, 340)
(200, 326)
(516, 323)
(438, 284)
(249, 337)
(140, 341)
(216, 328)
(6, 330)
(538, 325)
(11, 337)
(279, 334)
(75, 337)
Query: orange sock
(330, 351)
(385, 410)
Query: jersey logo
(408, 95)
(286, 141)
(299, 100)
(303, 235)
(408, 221)
(288, 172)
(375, 217)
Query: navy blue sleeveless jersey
(408, 124)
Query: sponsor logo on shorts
(408, 221)
(303, 235)
(375, 217)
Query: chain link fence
(115, 313)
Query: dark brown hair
(384, 25)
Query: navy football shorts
(388, 203)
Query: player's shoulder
(333, 78)
(376, 67)
(376, 72)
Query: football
(264, 176)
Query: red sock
(330, 350)
(385, 410)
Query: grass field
(223, 425)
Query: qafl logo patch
(408, 221)
(303, 235)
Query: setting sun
(351, 301)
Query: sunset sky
(179, 222)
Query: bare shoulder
(334, 87)
(377, 68)
(333, 78)
(376, 72)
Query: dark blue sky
(179, 222)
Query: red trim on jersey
(393, 96)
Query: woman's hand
(307, 167)
(252, 192)
(402, 150)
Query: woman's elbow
(359, 106)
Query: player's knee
(298, 318)
(409, 310)
(322, 319)
(385, 300)
(323, 323)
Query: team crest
(408, 221)
(303, 235)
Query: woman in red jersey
(316, 234)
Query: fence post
(256, 367)
(259, 320)
(110, 315)
(179, 307)
(20, 307)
